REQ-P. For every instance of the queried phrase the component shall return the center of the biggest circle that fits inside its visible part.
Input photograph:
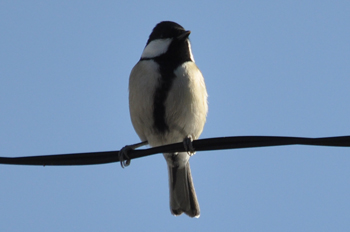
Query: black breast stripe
(161, 94)
(176, 55)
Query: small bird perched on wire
(168, 104)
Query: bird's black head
(167, 29)
(168, 42)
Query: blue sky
(271, 68)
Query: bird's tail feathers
(182, 193)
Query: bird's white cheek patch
(156, 48)
(189, 48)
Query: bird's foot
(123, 153)
(189, 145)
(124, 157)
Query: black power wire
(222, 143)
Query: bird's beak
(184, 35)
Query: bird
(168, 104)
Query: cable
(89, 158)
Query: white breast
(186, 103)
(142, 85)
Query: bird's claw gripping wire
(123, 153)
(189, 145)
(123, 156)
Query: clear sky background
(271, 68)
